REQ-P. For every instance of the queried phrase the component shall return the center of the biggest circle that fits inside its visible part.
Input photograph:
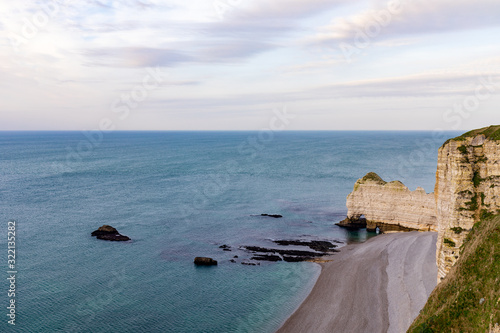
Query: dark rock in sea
(295, 259)
(202, 261)
(284, 252)
(233, 261)
(114, 238)
(250, 264)
(320, 246)
(225, 247)
(107, 232)
(353, 223)
(235, 257)
(266, 258)
(276, 216)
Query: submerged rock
(296, 259)
(320, 246)
(202, 261)
(225, 247)
(267, 257)
(263, 253)
(107, 232)
(250, 264)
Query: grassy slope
(491, 132)
(454, 306)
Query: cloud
(249, 29)
(414, 86)
(313, 66)
(406, 17)
(232, 50)
(282, 9)
(422, 85)
(217, 51)
(135, 57)
(91, 51)
(115, 4)
(265, 20)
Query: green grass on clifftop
(373, 177)
(468, 299)
(492, 133)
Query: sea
(179, 195)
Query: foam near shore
(377, 286)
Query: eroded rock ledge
(390, 206)
(287, 250)
(320, 249)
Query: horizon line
(249, 130)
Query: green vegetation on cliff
(370, 176)
(468, 299)
(491, 132)
(373, 177)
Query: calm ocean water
(179, 195)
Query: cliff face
(467, 188)
(386, 204)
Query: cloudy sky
(227, 64)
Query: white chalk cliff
(383, 203)
(467, 189)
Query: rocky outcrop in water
(107, 232)
(203, 261)
(320, 249)
(266, 257)
(316, 245)
(225, 247)
(390, 206)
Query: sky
(235, 64)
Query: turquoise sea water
(179, 195)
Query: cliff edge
(467, 188)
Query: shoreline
(376, 286)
